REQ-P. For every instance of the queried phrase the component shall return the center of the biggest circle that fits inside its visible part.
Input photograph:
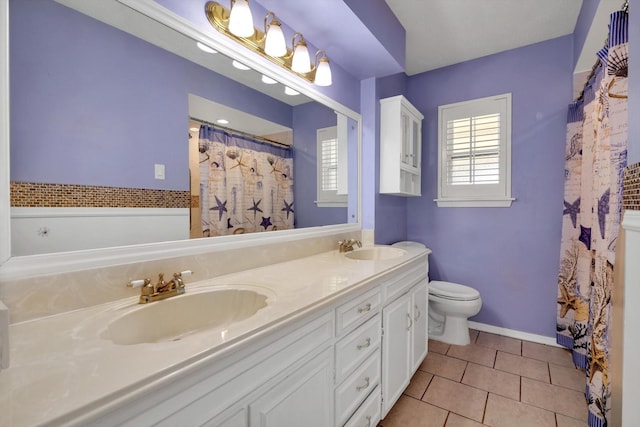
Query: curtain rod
(624, 8)
(237, 132)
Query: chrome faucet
(161, 290)
(347, 245)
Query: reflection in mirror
(103, 152)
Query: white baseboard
(540, 339)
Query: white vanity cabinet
(400, 147)
(342, 364)
(404, 340)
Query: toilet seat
(452, 291)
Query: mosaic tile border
(631, 188)
(29, 194)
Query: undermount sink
(174, 318)
(376, 253)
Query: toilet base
(455, 330)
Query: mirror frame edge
(12, 268)
(5, 210)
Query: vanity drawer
(398, 284)
(355, 347)
(357, 310)
(356, 388)
(368, 414)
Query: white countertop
(60, 364)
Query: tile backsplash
(30, 194)
(631, 188)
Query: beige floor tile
(568, 377)
(530, 368)
(557, 355)
(455, 397)
(418, 384)
(473, 353)
(493, 380)
(409, 412)
(473, 335)
(455, 420)
(438, 346)
(564, 421)
(553, 398)
(444, 366)
(503, 412)
(499, 342)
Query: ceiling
(445, 32)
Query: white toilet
(450, 305)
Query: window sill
(503, 202)
(331, 204)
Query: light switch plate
(158, 171)
(4, 336)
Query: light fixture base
(218, 17)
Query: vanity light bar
(218, 17)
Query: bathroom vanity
(327, 340)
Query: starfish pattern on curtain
(595, 159)
(246, 186)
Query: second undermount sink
(376, 253)
(174, 318)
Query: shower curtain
(596, 154)
(246, 185)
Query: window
(329, 189)
(474, 147)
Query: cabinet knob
(410, 321)
(368, 424)
(366, 344)
(365, 385)
(418, 312)
(365, 308)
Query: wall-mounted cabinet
(400, 147)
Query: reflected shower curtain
(596, 155)
(246, 186)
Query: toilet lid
(453, 291)
(408, 244)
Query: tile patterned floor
(495, 381)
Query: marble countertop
(61, 367)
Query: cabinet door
(303, 398)
(396, 342)
(419, 298)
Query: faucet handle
(185, 273)
(138, 283)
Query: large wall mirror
(122, 126)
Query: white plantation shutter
(474, 139)
(329, 162)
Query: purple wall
(380, 20)
(105, 93)
(634, 84)
(307, 119)
(511, 255)
(391, 211)
(583, 24)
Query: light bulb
(275, 45)
(203, 47)
(240, 19)
(300, 63)
(290, 91)
(222, 121)
(268, 80)
(323, 72)
(239, 65)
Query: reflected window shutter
(329, 153)
(473, 150)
